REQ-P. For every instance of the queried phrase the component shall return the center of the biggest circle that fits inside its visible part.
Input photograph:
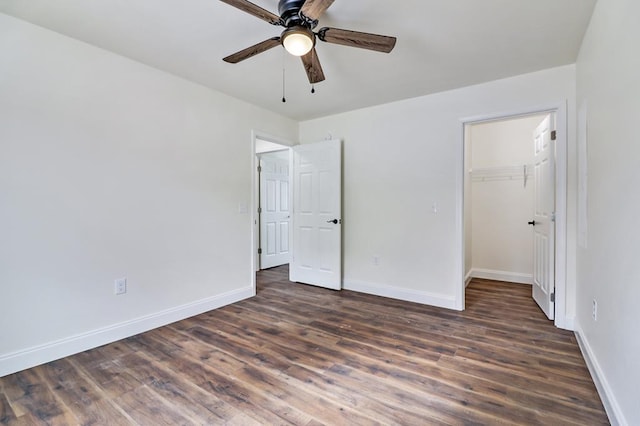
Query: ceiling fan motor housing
(290, 12)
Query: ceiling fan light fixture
(298, 40)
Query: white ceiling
(442, 44)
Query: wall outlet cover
(121, 286)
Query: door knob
(334, 221)
(532, 223)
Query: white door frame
(560, 109)
(256, 134)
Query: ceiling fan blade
(312, 67)
(314, 8)
(253, 50)
(379, 43)
(255, 10)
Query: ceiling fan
(300, 18)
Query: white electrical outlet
(594, 311)
(121, 286)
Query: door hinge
(553, 217)
(259, 209)
(553, 135)
(259, 169)
(553, 298)
(259, 251)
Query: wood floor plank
(258, 368)
(423, 326)
(219, 315)
(7, 415)
(309, 353)
(303, 355)
(113, 378)
(147, 408)
(78, 395)
(28, 394)
(376, 404)
(245, 396)
(328, 357)
(558, 390)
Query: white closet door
(275, 214)
(543, 220)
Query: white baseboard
(568, 323)
(467, 278)
(513, 277)
(30, 357)
(616, 417)
(405, 294)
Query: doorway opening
(499, 199)
(303, 195)
(499, 191)
(272, 199)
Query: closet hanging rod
(483, 174)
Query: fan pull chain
(313, 88)
(284, 99)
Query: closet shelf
(484, 174)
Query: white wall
(501, 204)
(405, 158)
(109, 168)
(607, 80)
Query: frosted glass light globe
(298, 41)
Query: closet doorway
(273, 200)
(510, 203)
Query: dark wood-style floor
(302, 355)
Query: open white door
(274, 210)
(316, 222)
(543, 219)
